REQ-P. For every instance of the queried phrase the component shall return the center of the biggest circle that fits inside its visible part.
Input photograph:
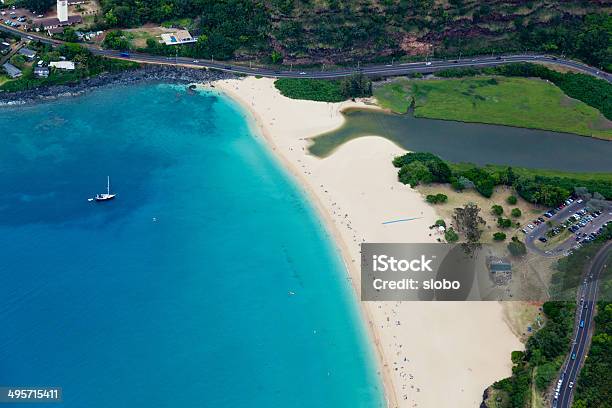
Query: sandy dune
(430, 354)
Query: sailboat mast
(107, 184)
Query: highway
(423, 67)
(582, 336)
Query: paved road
(585, 311)
(373, 70)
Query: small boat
(105, 196)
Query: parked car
(542, 239)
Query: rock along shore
(171, 74)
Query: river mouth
(471, 142)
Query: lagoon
(473, 142)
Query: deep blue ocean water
(177, 293)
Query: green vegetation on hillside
(354, 86)
(536, 186)
(87, 65)
(543, 356)
(306, 31)
(519, 102)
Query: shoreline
(147, 74)
(349, 217)
(389, 396)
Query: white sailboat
(106, 196)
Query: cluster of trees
(543, 355)
(354, 86)
(223, 26)
(595, 382)
(587, 38)
(586, 88)
(417, 168)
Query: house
(28, 53)
(12, 70)
(41, 72)
(53, 22)
(68, 65)
(178, 37)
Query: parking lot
(17, 17)
(571, 221)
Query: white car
(531, 226)
(571, 384)
(428, 63)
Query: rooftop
(177, 37)
(12, 70)
(27, 52)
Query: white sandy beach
(431, 354)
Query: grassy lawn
(512, 101)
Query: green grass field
(522, 102)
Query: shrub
(497, 210)
(436, 198)
(504, 222)
(516, 212)
(450, 235)
(512, 200)
(499, 236)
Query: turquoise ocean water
(176, 294)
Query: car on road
(428, 63)
(571, 384)
(573, 356)
(582, 323)
(302, 73)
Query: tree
(516, 247)
(512, 200)
(504, 222)
(450, 235)
(276, 57)
(497, 210)
(516, 212)
(115, 40)
(499, 236)
(415, 173)
(436, 198)
(39, 6)
(468, 221)
(440, 223)
(356, 86)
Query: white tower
(62, 10)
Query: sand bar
(429, 354)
